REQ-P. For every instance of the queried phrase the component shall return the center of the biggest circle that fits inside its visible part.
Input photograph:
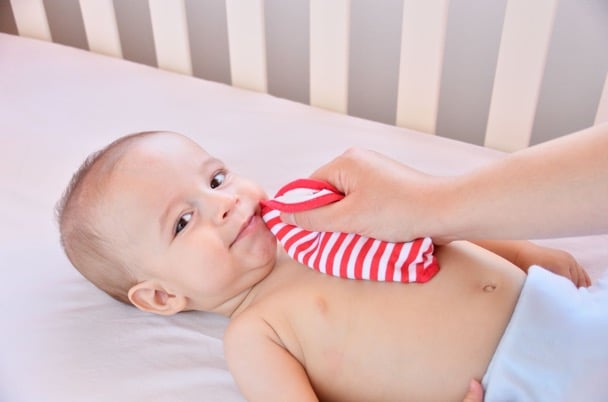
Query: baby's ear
(149, 296)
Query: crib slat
(208, 37)
(329, 27)
(287, 34)
(171, 35)
(100, 25)
(31, 19)
(422, 45)
(247, 44)
(601, 115)
(519, 72)
(65, 22)
(135, 31)
(7, 19)
(472, 41)
(373, 69)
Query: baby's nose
(225, 206)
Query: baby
(155, 221)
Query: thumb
(322, 219)
(475, 393)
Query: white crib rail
(329, 27)
(334, 57)
(601, 115)
(422, 47)
(519, 72)
(245, 19)
(31, 20)
(100, 25)
(171, 35)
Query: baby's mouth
(243, 229)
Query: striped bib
(344, 255)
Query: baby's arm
(263, 369)
(525, 253)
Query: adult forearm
(554, 189)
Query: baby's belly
(409, 341)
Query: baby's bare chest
(341, 336)
(358, 341)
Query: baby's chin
(271, 246)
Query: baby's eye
(217, 179)
(182, 222)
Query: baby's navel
(490, 287)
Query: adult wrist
(448, 213)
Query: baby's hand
(557, 261)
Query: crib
(504, 75)
(275, 88)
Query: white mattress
(62, 339)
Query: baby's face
(182, 218)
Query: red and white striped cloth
(345, 255)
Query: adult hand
(383, 199)
(475, 393)
(553, 189)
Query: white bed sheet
(62, 339)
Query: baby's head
(154, 220)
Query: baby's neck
(282, 272)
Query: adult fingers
(344, 174)
(329, 218)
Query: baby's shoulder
(270, 318)
(249, 331)
(251, 322)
